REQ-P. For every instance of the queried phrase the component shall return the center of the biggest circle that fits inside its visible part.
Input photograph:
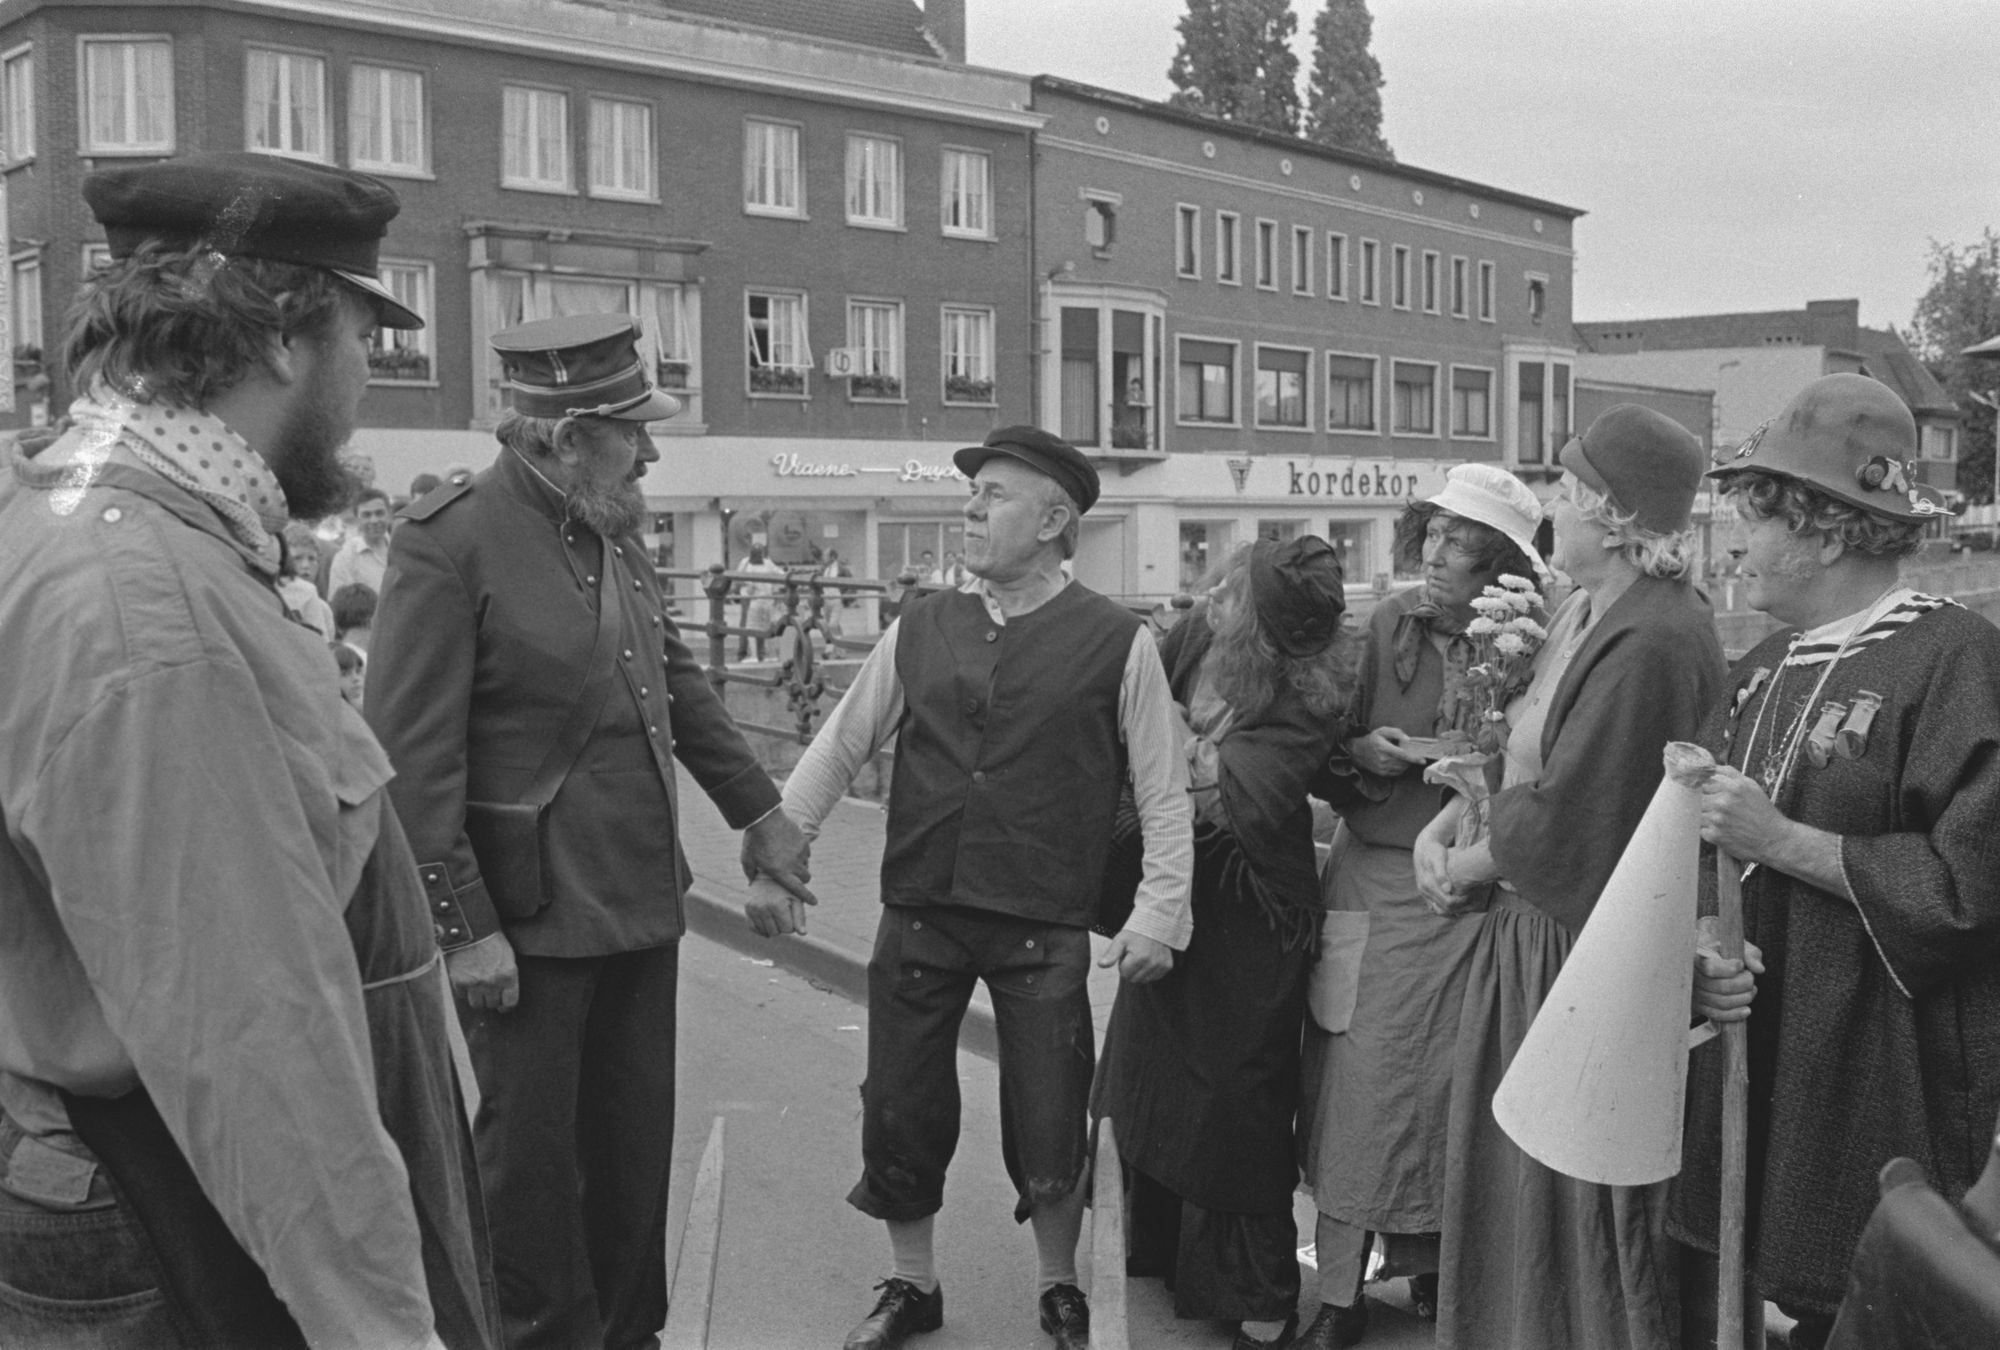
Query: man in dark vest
(533, 697)
(1022, 705)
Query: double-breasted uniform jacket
(482, 642)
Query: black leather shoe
(1245, 1341)
(1066, 1316)
(901, 1312)
(1335, 1328)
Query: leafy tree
(1236, 62)
(1960, 307)
(1344, 102)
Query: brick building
(1264, 336)
(776, 188)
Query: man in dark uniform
(533, 700)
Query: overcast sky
(1732, 154)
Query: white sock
(911, 1255)
(1057, 1224)
(1262, 1331)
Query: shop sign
(909, 471)
(1353, 480)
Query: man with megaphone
(1860, 783)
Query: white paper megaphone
(1596, 1089)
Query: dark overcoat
(482, 642)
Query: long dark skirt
(1200, 1077)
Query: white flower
(1491, 604)
(1519, 603)
(1520, 585)
(1510, 644)
(1483, 626)
(1527, 628)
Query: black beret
(254, 206)
(1038, 450)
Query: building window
(775, 328)
(1228, 249)
(284, 103)
(27, 315)
(1187, 242)
(968, 354)
(1336, 266)
(1413, 398)
(1538, 296)
(95, 257)
(875, 332)
(535, 131)
(1399, 276)
(1281, 388)
(771, 169)
(1430, 282)
(1371, 270)
(875, 181)
(1350, 392)
(621, 149)
(1486, 291)
(1109, 368)
(386, 120)
(400, 355)
(968, 194)
(1207, 385)
(1459, 288)
(17, 75)
(1100, 222)
(675, 322)
(1472, 403)
(1302, 260)
(128, 95)
(1267, 255)
(1939, 442)
(1542, 414)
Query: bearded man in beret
(228, 1116)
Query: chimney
(944, 20)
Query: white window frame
(421, 167)
(86, 143)
(1492, 406)
(1374, 393)
(1336, 265)
(981, 360)
(757, 181)
(800, 337)
(1460, 282)
(1369, 265)
(1235, 381)
(1399, 276)
(17, 76)
(417, 340)
(1430, 282)
(1187, 241)
(1436, 432)
(1302, 259)
(1228, 249)
(1538, 283)
(893, 349)
(869, 185)
(25, 263)
(603, 110)
(1266, 254)
(289, 60)
(949, 200)
(536, 134)
(1304, 425)
(94, 255)
(1489, 280)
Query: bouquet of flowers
(1506, 638)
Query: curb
(722, 922)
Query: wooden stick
(692, 1260)
(1108, 1326)
(1729, 1310)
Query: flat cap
(585, 365)
(245, 205)
(1041, 451)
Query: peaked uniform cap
(1041, 451)
(586, 365)
(244, 205)
(1850, 437)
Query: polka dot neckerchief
(195, 451)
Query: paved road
(781, 1059)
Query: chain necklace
(1777, 766)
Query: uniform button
(652, 730)
(1031, 944)
(451, 932)
(992, 637)
(431, 876)
(979, 775)
(635, 583)
(628, 653)
(444, 906)
(1031, 979)
(642, 691)
(591, 580)
(112, 515)
(916, 923)
(656, 621)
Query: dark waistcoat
(1008, 758)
